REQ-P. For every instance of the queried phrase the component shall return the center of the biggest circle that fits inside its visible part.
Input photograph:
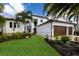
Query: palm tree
(67, 10)
(26, 18)
(1, 7)
(62, 9)
(2, 19)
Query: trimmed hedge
(14, 36)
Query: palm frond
(62, 9)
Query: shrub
(28, 34)
(62, 40)
(65, 39)
(18, 35)
(46, 37)
(4, 37)
(76, 39)
(57, 40)
(76, 32)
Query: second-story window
(10, 24)
(18, 25)
(35, 22)
(41, 20)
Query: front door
(35, 30)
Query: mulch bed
(68, 49)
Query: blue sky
(36, 8)
(13, 8)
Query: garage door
(70, 31)
(59, 30)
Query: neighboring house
(11, 26)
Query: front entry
(35, 30)
(35, 25)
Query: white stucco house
(42, 25)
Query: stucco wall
(39, 19)
(44, 29)
(7, 29)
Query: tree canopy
(60, 9)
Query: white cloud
(8, 9)
(29, 4)
(12, 8)
(17, 6)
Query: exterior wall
(77, 27)
(44, 29)
(39, 19)
(7, 29)
(32, 26)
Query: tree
(25, 17)
(62, 9)
(2, 19)
(1, 7)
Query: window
(41, 20)
(10, 24)
(14, 25)
(35, 22)
(18, 25)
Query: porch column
(67, 31)
(73, 29)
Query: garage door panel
(59, 30)
(70, 31)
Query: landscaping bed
(66, 49)
(13, 36)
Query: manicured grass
(34, 46)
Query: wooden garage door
(70, 30)
(59, 30)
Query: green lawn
(34, 46)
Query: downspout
(51, 29)
(77, 22)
